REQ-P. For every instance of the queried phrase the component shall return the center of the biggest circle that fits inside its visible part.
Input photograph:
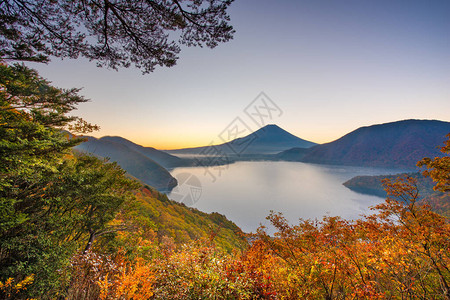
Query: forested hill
(135, 163)
(395, 144)
(372, 185)
(163, 220)
(164, 159)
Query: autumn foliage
(402, 251)
(75, 227)
(439, 168)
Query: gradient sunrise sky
(331, 67)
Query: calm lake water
(246, 192)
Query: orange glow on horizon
(171, 142)
(192, 142)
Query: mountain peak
(272, 138)
(272, 128)
(268, 139)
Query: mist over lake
(246, 192)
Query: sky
(329, 66)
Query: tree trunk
(89, 244)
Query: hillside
(134, 162)
(160, 219)
(269, 139)
(372, 185)
(162, 158)
(293, 154)
(395, 144)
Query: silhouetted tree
(115, 33)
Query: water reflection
(246, 192)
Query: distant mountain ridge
(162, 158)
(131, 160)
(394, 144)
(269, 139)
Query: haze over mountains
(151, 165)
(397, 144)
(269, 139)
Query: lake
(246, 192)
